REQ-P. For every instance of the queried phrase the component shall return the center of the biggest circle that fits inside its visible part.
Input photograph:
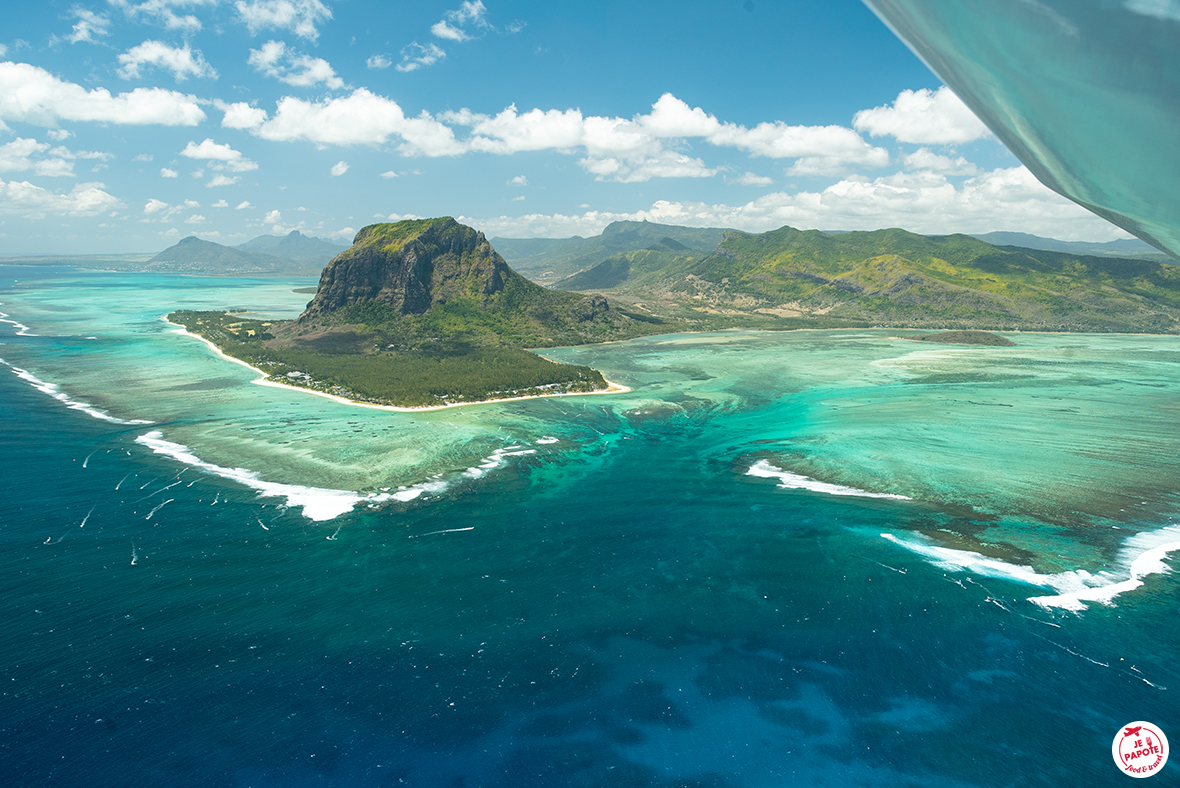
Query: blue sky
(128, 124)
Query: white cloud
(415, 56)
(33, 95)
(182, 62)
(142, 157)
(339, 168)
(344, 233)
(243, 205)
(90, 27)
(18, 156)
(379, 62)
(273, 217)
(627, 150)
(58, 134)
(469, 11)
(154, 206)
(518, 199)
(751, 179)
(294, 68)
(168, 173)
(362, 118)
(444, 29)
(242, 116)
(195, 219)
(299, 16)
(222, 180)
(160, 12)
(666, 164)
(923, 117)
(925, 159)
(389, 174)
(221, 157)
(23, 154)
(25, 199)
(1007, 199)
(220, 204)
(519, 180)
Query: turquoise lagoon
(804, 558)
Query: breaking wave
(1140, 556)
(319, 503)
(52, 390)
(793, 481)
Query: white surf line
(1139, 557)
(319, 503)
(445, 531)
(52, 390)
(793, 481)
(21, 329)
(496, 460)
(158, 508)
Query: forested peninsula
(422, 313)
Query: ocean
(804, 558)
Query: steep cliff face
(411, 266)
(435, 283)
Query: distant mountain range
(293, 246)
(546, 260)
(1124, 247)
(293, 253)
(551, 260)
(887, 277)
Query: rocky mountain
(547, 260)
(294, 246)
(438, 283)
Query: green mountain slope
(893, 277)
(547, 260)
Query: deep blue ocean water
(627, 606)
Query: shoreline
(261, 380)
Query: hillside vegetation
(892, 278)
(547, 260)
